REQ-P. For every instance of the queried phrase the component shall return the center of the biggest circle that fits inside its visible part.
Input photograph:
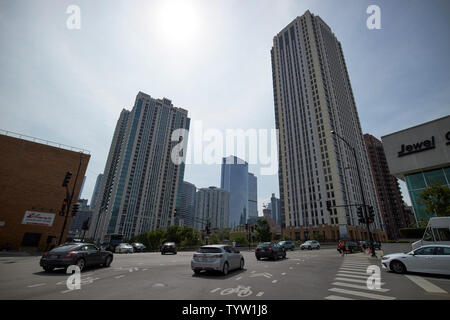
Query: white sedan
(426, 259)
(124, 248)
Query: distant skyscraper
(313, 96)
(274, 206)
(252, 196)
(140, 185)
(234, 179)
(82, 186)
(186, 207)
(98, 183)
(85, 213)
(212, 204)
(390, 198)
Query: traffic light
(246, 226)
(75, 208)
(329, 205)
(67, 178)
(371, 213)
(174, 212)
(63, 208)
(360, 214)
(85, 225)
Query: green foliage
(213, 239)
(240, 238)
(412, 233)
(183, 236)
(317, 236)
(436, 199)
(263, 232)
(223, 234)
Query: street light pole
(362, 193)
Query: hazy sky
(211, 57)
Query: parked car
(351, 247)
(80, 254)
(169, 247)
(138, 247)
(377, 245)
(287, 245)
(270, 250)
(366, 244)
(217, 257)
(124, 248)
(426, 259)
(310, 244)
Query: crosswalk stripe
(355, 265)
(425, 284)
(214, 290)
(355, 286)
(362, 294)
(353, 269)
(337, 298)
(354, 280)
(352, 276)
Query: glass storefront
(417, 182)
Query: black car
(351, 247)
(287, 245)
(79, 254)
(138, 247)
(366, 245)
(169, 247)
(270, 250)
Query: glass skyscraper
(252, 197)
(234, 179)
(140, 186)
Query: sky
(212, 58)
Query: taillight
(173, 247)
(270, 249)
(217, 256)
(71, 254)
(45, 254)
(163, 247)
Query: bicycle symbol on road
(241, 291)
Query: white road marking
(283, 274)
(355, 265)
(425, 284)
(238, 278)
(144, 269)
(121, 276)
(274, 281)
(37, 285)
(362, 294)
(214, 290)
(352, 272)
(337, 298)
(355, 286)
(351, 276)
(259, 294)
(253, 271)
(354, 268)
(265, 274)
(67, 291)
(354, 280)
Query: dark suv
(169, 247)
(270, 250)
(287, 245)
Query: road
(318, 274)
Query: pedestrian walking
(341, 248)
(234, 244)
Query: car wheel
(108, 261)
(398, 267)
(225, 268)
(318, 247)
(284, 256)
(197, 271)
(81, 263)
(242, 264)
(258, 258)
(48, 269)
(309, 248)
(302, 248)
(162, 252)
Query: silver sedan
(217, 257)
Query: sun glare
(178, 22)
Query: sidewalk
(379, 254)
(19, 254)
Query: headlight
(385, 257)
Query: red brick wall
(31, 175)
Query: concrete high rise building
(96, 191)
(390, 198)
(140, 185)
(234, 179)
(186, 206)
(274, 206)
(312, 97)
(252, 197)
(212, 204)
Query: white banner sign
(38, 218)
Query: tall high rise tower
(313, 96)
(140, 182)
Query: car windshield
(264, 244)
(66, 248)
(209, 250)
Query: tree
(436, 199)
(213, 238)
(263, 232)
(189, 236)
(240, 238)
(223, 234)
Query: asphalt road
(318, 274)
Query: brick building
(31, 192)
